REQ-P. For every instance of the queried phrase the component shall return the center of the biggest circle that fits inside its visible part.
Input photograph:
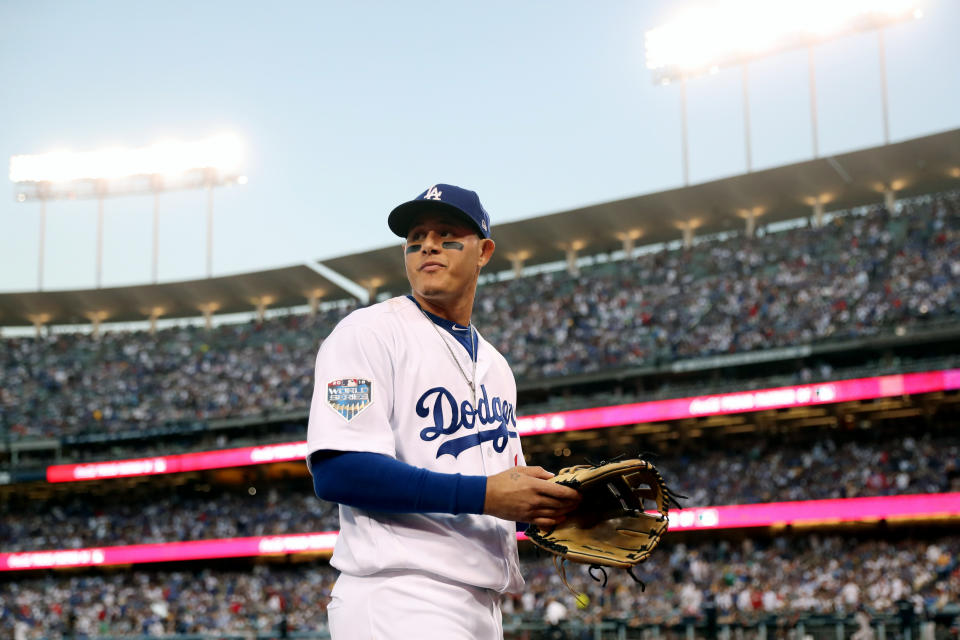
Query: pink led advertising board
(933, 505)
(656, 411)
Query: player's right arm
(379, 483)
(354, 352)
(524, 495)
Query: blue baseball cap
(462, 203)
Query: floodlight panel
(222, 153)
(720, 34)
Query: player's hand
(522, 494)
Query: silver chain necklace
(471, 382)
(473, 356)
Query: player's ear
(486, 252)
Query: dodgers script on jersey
(386, 383)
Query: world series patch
(349, 396)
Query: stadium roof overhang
(921, 165)
(284, 287)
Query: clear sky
(349, 108)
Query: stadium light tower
(707, 38)
(165, 166)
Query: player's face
(443, 257)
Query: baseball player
(413, 432)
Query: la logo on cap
(433, 193)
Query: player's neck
(458, 311)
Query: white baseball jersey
(387, 383)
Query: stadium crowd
(751, 581)
(158, 514)
(72, 383)
(776, 581)
(771, 472)
(863, 273)
(857, 276)
(761, 471)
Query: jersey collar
(466, 336)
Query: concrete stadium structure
(742, 202)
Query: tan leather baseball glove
(611, 526)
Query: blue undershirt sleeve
(377, 482)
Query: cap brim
(401, 218)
